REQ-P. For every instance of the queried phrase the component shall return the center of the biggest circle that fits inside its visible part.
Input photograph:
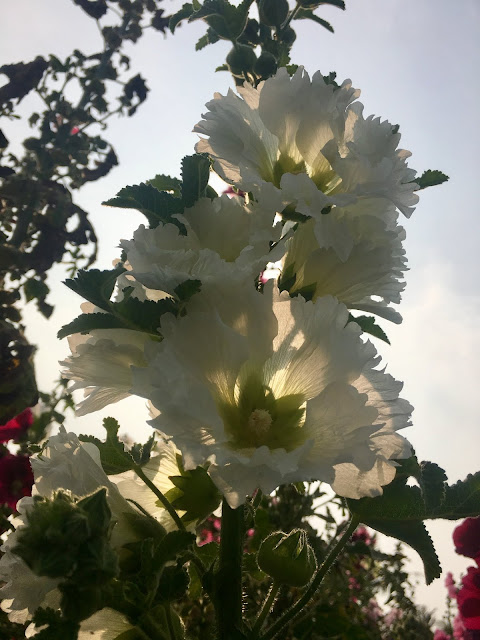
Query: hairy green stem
(228, 578)
(173, 514)
(265, 610)
(314, 584)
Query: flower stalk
(228, 579)
(173, 514)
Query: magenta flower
(466, 538)
(16, 427)
(468, 599)
(16, 479)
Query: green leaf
(171, 546)
(209, 38)
(307, 14)
(416, 536)
(369, 325)
(432, 482)
(95, 286)
(141, 452)
(157, 206)
(195, 175)
(35, 288)
(224, 18)
(166, 183)
(398, 513)
(462, 500)
(184, 13)
(113, 456)
(143, 315)
(430, 178)
(185, 290)
(88, 322)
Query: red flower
(466, 538)
(468, 599)
(17, 426)
(16, 479)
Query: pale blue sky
(416, 62)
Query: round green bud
(273, 12)
(287, 558)
(288, 36)
(241, 60)
(266, 65)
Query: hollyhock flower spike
(305, 404)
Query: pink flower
(441, 635)
(74, 131)
(468, 599)
(458, 628)
(16, 479)
(450, 585)
(466, 538)
(362, 535)
(16, 427)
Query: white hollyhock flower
(106, 624)
(307, 401)
(23, 591)
(225, 238)
(307, 139)
(67, 463)
(101, 364)
(368, 280)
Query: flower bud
(240, 60)
(273, 12)
(287, 558)
(266, 65)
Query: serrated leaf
(166, 183)
(113, 456)
(369, 325)
(416, 536)
(195, 175)
(157, 206)
(462, 500)
(143, 315)
(307, 14)
(95, 286)
(172, 545)
(88, 322)
(141, 452)
(399, 513)
(209, 38)
(185, 290)
(431, 178)
(227, 20)
(184, 13)
(432, 482)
